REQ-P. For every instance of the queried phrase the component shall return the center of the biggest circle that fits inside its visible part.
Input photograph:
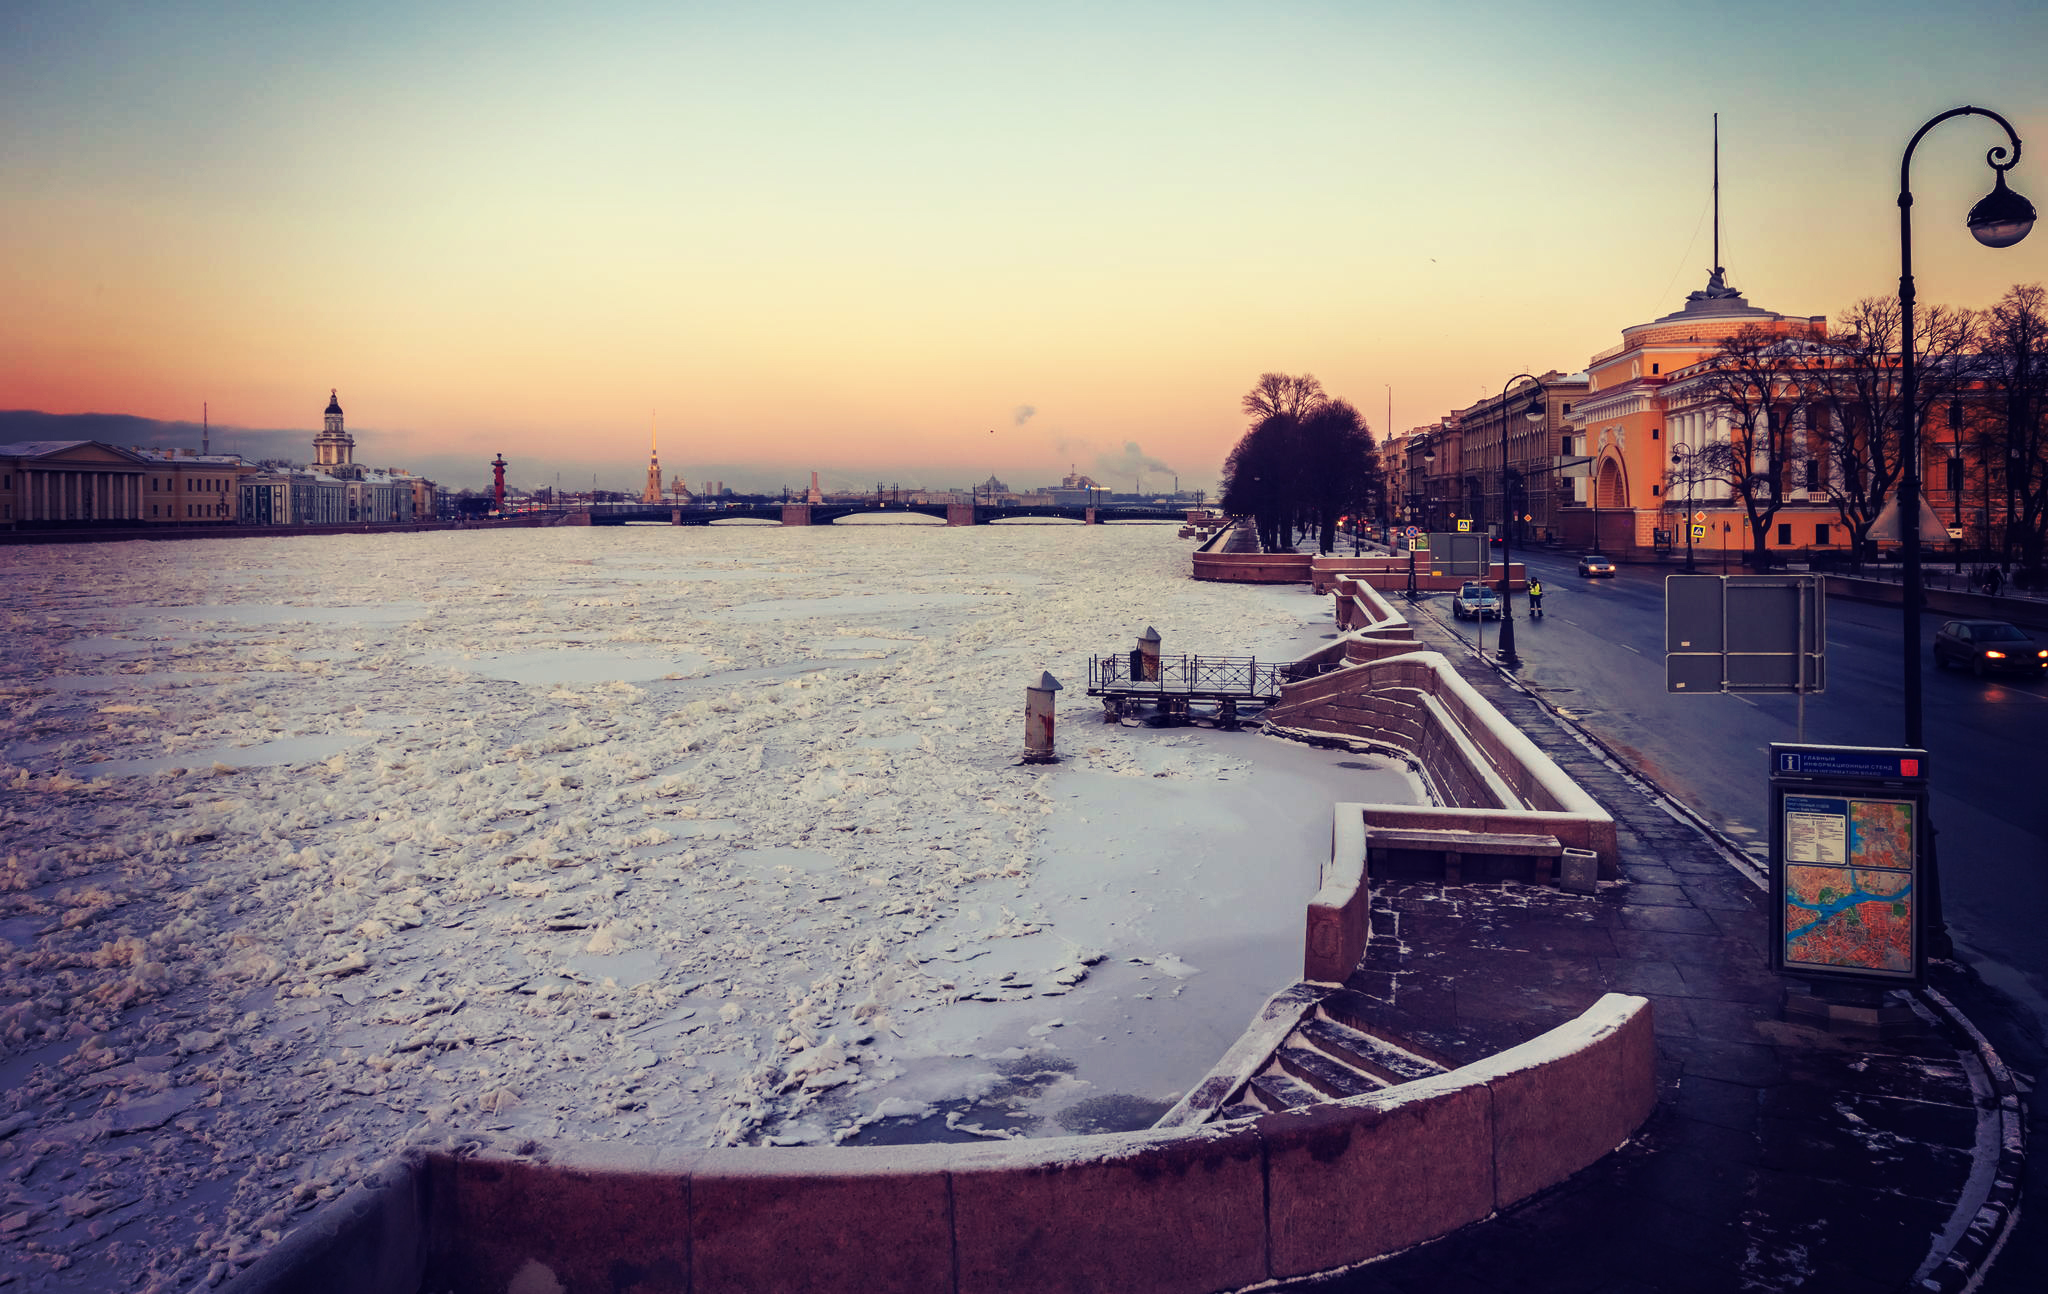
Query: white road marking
(1631, 649)
(1745, 700)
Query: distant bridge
(824, 514)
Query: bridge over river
(824, 514)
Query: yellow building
(1625, 421)
(71, 483)
(192, 489)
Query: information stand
(1848, 840)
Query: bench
(1544, 851)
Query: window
(152, 509)
(1656, 433)
(1653, 370)
(1813, 474)
(1820, 534)
(1566, 409)
(1785, 533)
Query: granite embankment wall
(1213, 561)
(1219, 1207)
(1488, 776)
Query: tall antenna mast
(205, 430)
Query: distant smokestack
(205, 430)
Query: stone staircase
(1333, 1051)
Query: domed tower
(333, 447)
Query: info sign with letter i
(1848, 840)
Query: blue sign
(1863, 763)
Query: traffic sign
(1699, 532)
(1699, 518)
(1465, 525)
(1955, 532)
(1411, 532)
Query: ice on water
(315, 848)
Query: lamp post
(1955, 476)
(1686, 459)
(2000, 219)
(1534, 412)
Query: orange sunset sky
(868, 239)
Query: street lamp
(2000, 219)
(1534, 412)
(1955, 475)
(1686, 458)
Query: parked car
(1987, 646)
(1476, 602)
(1595, 565)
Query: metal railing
(1214, 676)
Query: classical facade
(83, 483)
(336, 490)
(1526, 486)
(1624, 421)
(71, 483)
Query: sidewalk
(1780, 1156)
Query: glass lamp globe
(2002, 217)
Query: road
(1598, 655)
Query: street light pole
(2000, 219)
(1686, 457)
(1955, 474)
(1505, 653)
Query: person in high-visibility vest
(1535, 597)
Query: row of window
(194, 510)
(202, 483)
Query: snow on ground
(319, 847)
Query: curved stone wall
(1176, 1211)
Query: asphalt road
(1598, 654)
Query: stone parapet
(1252, 568)
(1180, 1210)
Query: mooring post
(1148, 656)
(1038, 714)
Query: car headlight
(1994, 655)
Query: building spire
(652, 494)
(1717, 272)
(1717, 288)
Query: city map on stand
(1849, 883)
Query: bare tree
(1752, 380)
(2016, 376)
(1279, 393)
(1305, 461)
(1858, 399)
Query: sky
(925, 243)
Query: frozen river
(319, 847)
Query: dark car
(1987, 646)
(1595, 565)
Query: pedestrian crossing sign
(1465, 526)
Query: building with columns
(1627, 423)
(336, 490)
(72, 483)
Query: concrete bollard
(1038, 714)
(1147, 658)
(1578, 872)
